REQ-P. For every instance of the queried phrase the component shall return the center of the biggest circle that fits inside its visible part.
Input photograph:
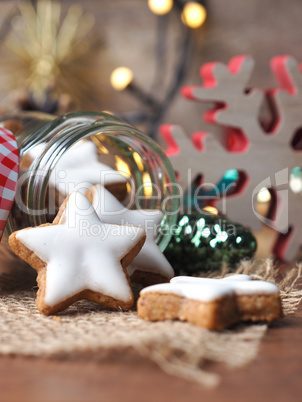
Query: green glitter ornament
(202, 242)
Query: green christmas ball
(202, 243)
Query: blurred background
(59, 56)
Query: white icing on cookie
(82, 253)
(193, 279)
(207, 289)
(110, 210)
(201, 292)
(79, 168)
(239, 277)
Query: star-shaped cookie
(79, 257)
(150, 261)
(211, 303)
(79, 168)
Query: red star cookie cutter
(9, 169)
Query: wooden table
(275, 375)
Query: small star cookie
(150, 265)
(79, 257)
(79, 168)
(211, 303)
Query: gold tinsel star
(52, 54)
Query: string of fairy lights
(192, 15)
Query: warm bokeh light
(160, 7)
(148, 190)
(120, 78)
(193, 14)
(102, 149)
(264, 195)
(295, 180)
(296, 184)
(138, 161)
(211, 210)
(122, 166)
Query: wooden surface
(275, 375)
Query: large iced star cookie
(150, 265)
(211, 303)
(79, 257)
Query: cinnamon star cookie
(79, 257)
(211, 303)
(150, 265)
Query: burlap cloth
(178, 348)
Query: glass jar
(150, 176)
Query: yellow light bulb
(193, 14)
(120, 78)
(160, 7)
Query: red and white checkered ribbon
(9, 169)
